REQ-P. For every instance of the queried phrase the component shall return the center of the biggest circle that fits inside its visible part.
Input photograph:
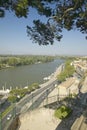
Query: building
(69, 86)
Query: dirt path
(41, 119)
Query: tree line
(67, 72)
(16, 94)
(9, 61)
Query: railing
(53, 99)
(5, 122)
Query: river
(26, 75)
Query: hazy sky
(14, 40)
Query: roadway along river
(26, 75)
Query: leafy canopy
(67, 72)
(60, 14)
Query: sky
(14, 39)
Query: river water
(26, 75)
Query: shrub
(67, 72)
(62, 112)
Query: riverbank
(53, 76)
(26, 75)
(16, 60)
(44, 119)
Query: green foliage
(12, 61)
(7, 111)
(16, 94)
(67, 72)
(62, 112)
(12, 98)
(23, 60)
(61, 77)
(65, 14)
(33, 86)
(21, 8)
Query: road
(30, 97)
(7, 119)
(42, 92)
(48, 85)
(43, 96)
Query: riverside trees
(60, 14)
(16, 94)
(23, 60)
(67, 72)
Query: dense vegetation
(16, 94)
(67, 72)
(62, 112)
(60, 15)
(8, 61)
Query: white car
(9, 116)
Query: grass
(62, 112)
(7, 111)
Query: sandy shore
(41, 119)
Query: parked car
(9, 117)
